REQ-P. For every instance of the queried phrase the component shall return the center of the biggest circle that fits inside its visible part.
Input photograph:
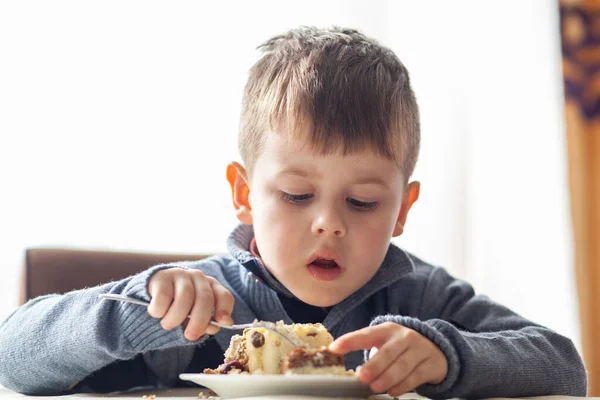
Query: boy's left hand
(404, 359)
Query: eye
(361, 205)
(296, 198)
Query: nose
(329, 223)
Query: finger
(398, 370)
(381, 359)
(362, 339)
(416, 378)
(183, 300)
(201, 312)
(224, 302)
(393, 350)
(161, 293)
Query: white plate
(245, 385)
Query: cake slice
(261, 351)
(265, 349)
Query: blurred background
(117, 119)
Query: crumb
(208, 395)
(151, 397)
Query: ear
(411, 194)
(240, 192)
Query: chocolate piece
(226, 368)
(312, 334)
(232, 365)
(258, 339)
(301, 357)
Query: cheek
(274, 213)
(277, 230)
(377, 240)
(378, 227)
(374, 234)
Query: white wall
(494, 201)
(117, 119)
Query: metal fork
(256, 324)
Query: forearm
(532, 361)
(52, 343)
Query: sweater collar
(395, 265)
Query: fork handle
(127, 299)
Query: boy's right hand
(178, 293)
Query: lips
(323, 267)
(324, 257)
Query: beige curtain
(580, 32)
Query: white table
(192, 394)
(174, 394)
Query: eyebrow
(298, 172)
(372, 180)
(367, 180)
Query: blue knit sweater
(55, 344)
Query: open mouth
(322, 263)
(324, 270)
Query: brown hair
(349, 91)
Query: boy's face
(322, 224)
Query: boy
(329, 137)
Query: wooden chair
(60, 270)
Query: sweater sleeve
(53, 342)
(491, 351)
